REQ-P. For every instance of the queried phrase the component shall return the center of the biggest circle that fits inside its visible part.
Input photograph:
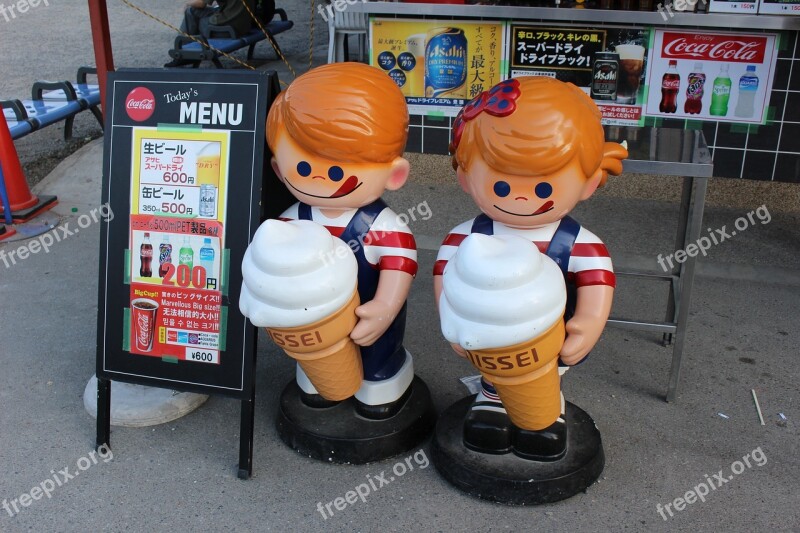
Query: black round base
(510, 479)
(339, 435)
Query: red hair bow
(500, 101)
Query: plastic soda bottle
(207, 258)
(670, 85)
(721, 92)
(146, 258)
(694, 91)
(186, 254)
(748, 87)
(164, 256)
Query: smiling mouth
(547, 206)
(347, 187)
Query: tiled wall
(767, 152)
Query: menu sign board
(724, 77)
(439, 65)
(183, 171)
(607, 63)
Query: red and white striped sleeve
(450, 245)
(590, 263)
(389, 245)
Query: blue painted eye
(304, 169)
(335, 173)
(502, 189)
(508, 89)
(544, 190)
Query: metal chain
(269, 38)
(192, 37)
(206, 44)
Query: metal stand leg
(246, 437)
(680, 244)
(686, 281)
(103, 413)
(247, 424)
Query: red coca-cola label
(140, 104)
(671, 83)
(143, 332)
(714, 47)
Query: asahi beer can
(446, 63)
(605, 71)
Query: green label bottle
(186, 254)
(721, 92)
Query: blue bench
(87, 93)
(52, 102)
(224, 39)
(17, 118)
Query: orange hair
(553, 123)
(343, 111)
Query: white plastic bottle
(748, 87)
(207, 258)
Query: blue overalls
(383, 359)
(559, 250)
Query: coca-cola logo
(714, 47)
(140, 104)
(144, 329)
(668, 83)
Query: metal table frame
(693, 162)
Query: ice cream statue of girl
(527, 152)
(337, 135)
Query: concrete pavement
(181, 476)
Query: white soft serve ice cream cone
(300, 283)
(503, 302)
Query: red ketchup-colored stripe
(392, 239)
(396, 262)
(438, 267)
(595, 277)
(453, 239)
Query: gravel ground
(50, 42)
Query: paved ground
(182, 477)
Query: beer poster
(607, 63)
(724, 77)
(183, 166)
(439, 65)
(178, 192)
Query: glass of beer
(631, 60)
(415, 77)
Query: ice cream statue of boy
(527, 152)
(337, 134)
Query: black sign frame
(248, 170)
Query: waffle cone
(526, 377)
(325, 351)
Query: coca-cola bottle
(670, 85)
(694, 90)
(146, 258)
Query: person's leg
(196, 20)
